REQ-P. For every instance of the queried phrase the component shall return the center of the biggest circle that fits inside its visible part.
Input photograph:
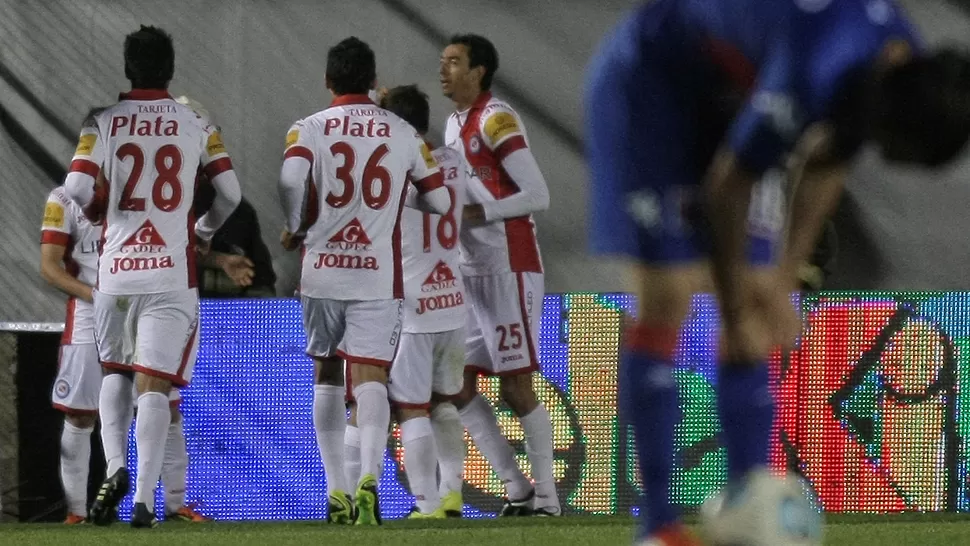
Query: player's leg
(114, 336)
(646, 158)
(323, 321)
(409, 389)
(166, 346)
(478, 416)
(449, 434)
(373, 329)
(75, 393)
(352, 444)
(517, 300)
(175, 468)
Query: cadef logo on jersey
(351, 237)
(146, 240)
(441, 278)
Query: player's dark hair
(411, 104)
(351, 67)
(482, 53)
(927, 101)
(149, 58)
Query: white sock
(330, 421)
(352, 455)
(421, 463)
(116, 412)
(538, 446)
(449, 438)
(175, 465)
(75, 458)
(151, 431)
(373, 418)
(479, 419)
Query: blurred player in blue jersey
(688, 103)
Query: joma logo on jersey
(146, 239)
(436, 303)
(141, 264)
(144, 127)
(350, 237)
(372, 128)
(441, 277)
(345, 261)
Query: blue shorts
(653, 123)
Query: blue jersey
(677, 78)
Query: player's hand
(239, 268)
(203, 247)
(289, 241)
(765, 320)
(473, 214)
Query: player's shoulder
(59, 195)
(496, 106)
(499, 122)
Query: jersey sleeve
(425, 171)
(58, 223)
(215, 158)
(502, 130)
(297, 197)
(85, 164)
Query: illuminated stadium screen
(872, 410)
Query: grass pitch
(904, 530)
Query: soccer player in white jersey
(69, 262)
(345, 174)
(503, 272)
(135, 167)
(428, 368)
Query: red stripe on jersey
(311, 207)
(510, 146)
(190, 248)
(430, 183)
(523, 247)
(396, 248)
(51, 237)
(526, 323)
(298, 151)
(95, 211)
(217, 167)
(68, 335)
(89, 168)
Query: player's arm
(501, 131)
(762, 134)
(85, 183)
(218, 168)
(819, 180)
(55, 237)
(297, 195)
(428, 180)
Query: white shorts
(78, 383)
(153, 334)
(360, 332)
(503, 323)
(427, 363)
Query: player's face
(457, 79)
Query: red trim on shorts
(408, 405)
(657, 340)
(176, 380)
(187, 352)
(526, 323)
(478, 370)
(117, 366)
(73, 411)
(363, 360)
(68, 335)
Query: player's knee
(81, 421)
(516, 391)
(664, 294)
(105, 372)
(176, 414)
(149, 383)
(406, 414)
(330, 371)
(367, 373)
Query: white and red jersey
(149, 149)
(434, 295)
(65, 225)
(487, 134)
(345, 174)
